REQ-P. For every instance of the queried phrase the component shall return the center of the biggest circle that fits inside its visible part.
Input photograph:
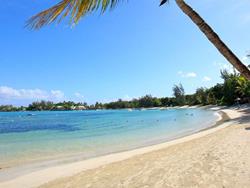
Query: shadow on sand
(245, 119)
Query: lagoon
(50, 135)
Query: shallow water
(49, 135)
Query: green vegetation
(235, 89)
(11, 108)
(48, 105)
(179, 94)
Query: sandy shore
(218, 157)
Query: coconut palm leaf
(75, 9)
(163, 2)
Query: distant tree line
(234, 89)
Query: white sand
(206, 157)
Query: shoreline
(16, 169)
(43, 176)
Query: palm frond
(75, 9)
(163, 2)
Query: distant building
(59, 108)
(80, 108)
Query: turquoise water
(48, 135)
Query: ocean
(29, 137)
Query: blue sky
(137, 49)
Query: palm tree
(79, 8)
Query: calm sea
(40, 136)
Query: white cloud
(180, 72)
(191, 74)
(206, 79)
(57, 94)
(30, 94)
(224, 66)
(128, 98)
(187, 75)
(79, 95)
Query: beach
(151, 95)
(217, 157)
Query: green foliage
(143, 102)
(243, 87)
(179, 94)
(235, 88)
(48, 105)
(8, 108)
(201, 96)
(39, 106)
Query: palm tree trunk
(214, 38)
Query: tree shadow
(245, 118)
